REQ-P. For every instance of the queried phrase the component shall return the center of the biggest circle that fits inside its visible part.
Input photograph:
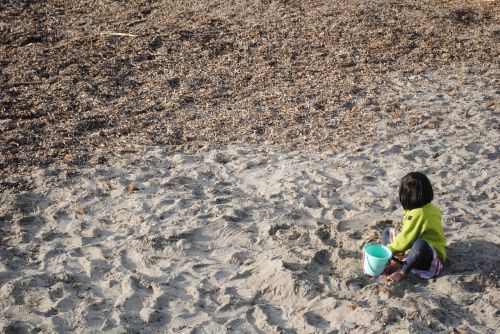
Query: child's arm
(409, 233)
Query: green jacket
(421, 223)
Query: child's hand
(400, 256)
(391, 268)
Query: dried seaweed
(80, 79)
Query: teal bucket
(375, 258)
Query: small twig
(111, 33)
(136, 22)
(22, 83)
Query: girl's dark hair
(415, 191)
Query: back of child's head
(415, 191)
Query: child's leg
(388, 235)
(420, 257)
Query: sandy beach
(241, 220)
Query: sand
(217, 167)
(254, 239)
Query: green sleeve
(410, 232)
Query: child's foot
(396, 277)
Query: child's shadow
(472, 256)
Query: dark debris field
(80, 80)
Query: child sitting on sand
(421, 242)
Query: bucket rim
(389, 252)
